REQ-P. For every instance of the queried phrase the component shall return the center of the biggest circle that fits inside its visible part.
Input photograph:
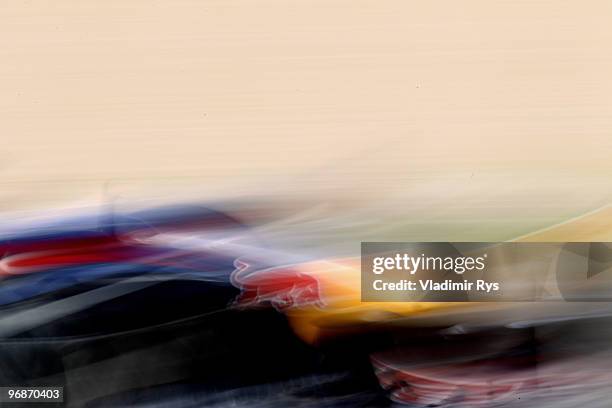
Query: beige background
(483, 119)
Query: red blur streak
(422, 388)
(77, 252)
(282, 288)
(67, 243)
(73, 257)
